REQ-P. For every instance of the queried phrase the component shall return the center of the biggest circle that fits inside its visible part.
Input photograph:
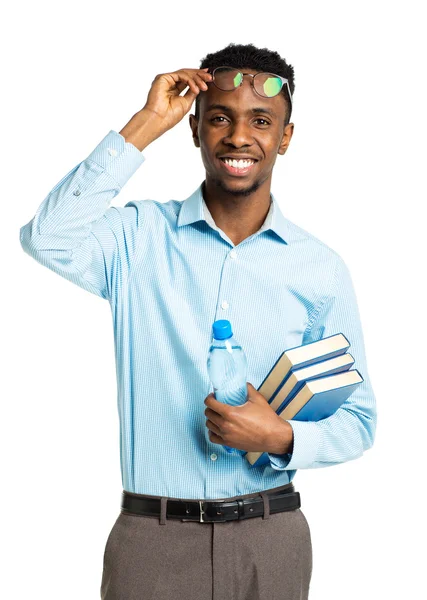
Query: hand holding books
(309, 383)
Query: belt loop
(163, 506)
(266, 501)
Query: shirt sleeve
(76, 233)
(350, 431)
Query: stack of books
(309, 383)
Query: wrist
(141, 130)
(283, 439)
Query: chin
(240, 188)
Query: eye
(259, 119)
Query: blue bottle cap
(222, 329)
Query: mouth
(241, 167)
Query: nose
(239, 134)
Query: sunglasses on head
(266, 85)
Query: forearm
(141, 130)
(282, 441)
(342, 437)
(74, 219)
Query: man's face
(235, 130)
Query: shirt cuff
(118, 158)
(307, 438)
(279, 461)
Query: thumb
(253, 393)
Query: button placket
(227, 282)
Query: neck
(237, 215)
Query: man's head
(236, 129)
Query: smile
(237, 167)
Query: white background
(353, 177)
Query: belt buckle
(202, 512)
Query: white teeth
(238, 164)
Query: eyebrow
(254, 111)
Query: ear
(286, 138)
(194, 124)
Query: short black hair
(248, 56)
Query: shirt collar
(194, 209)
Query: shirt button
(77, 193)
(233, 254)
(214, 456)
(112, 151)
(224, 305)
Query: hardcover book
(317, 399)
(299, 357)
(297, 378)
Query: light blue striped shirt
(168, 273)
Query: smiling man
(197, 522)
(240, 133)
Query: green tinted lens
(237, 80)
(227, 79)
(272, 86)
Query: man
(169, 270)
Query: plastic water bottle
(227, 368)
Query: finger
(182, 76)
(194, 79)
(212, 427)
(204, 79)
(221, 408)
(199, 76)
(214, 417)
(200, 82)
(215, 439)
(181, 85)
(192, 87)
(191, 77)
(190, 96)
(216, 405)
(207, 78)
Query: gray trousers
(260, 558)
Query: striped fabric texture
(168, 272)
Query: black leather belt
(211, 511)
